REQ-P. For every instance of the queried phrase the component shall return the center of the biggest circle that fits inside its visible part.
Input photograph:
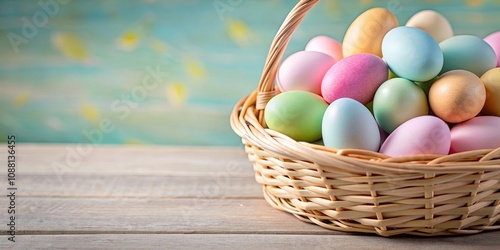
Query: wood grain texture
(190, 215)
(136, 171)
(221, 186)
(65, 159)
(487, 241)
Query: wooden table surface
(157, 197)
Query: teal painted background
(160, 72)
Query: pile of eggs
(398, 90)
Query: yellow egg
(491, 81)
(366, 32)
(433, 23)
(457, 96)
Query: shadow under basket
(363, 191)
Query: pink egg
(304, 70)
(325, 45)
(494, 41)
(481, 132)
(357, 77)
(420, 135)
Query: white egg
(433, 23)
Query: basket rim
(245, 123)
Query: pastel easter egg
(480, 132)
(366, 32)
(420, 135)
(297, 114)
(433, 23)
(469, 53)
(411, 53)
(491, 81)
(347, 123)
(357, 77)
(457, 95)
(493, 40)
(396, 101)
(325, 45)
(304, 70)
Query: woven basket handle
(266, 85)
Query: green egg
(396, 101)
(297, 114)
(469, 53)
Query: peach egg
(491, 80)
(457, 95)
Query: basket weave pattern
(363, 191)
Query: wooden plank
(216, 185)
(189, 215)
(137, 171)
(484, 241)
(62, 159)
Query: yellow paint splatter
(129, 40)
(158, 46)
(90, 112)
(474, 3)
(239, 32)
(176, 93)
(194, 68)
(21, 99)
(71, 45)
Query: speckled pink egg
(357, 77)
(420, 135)
(494, 41)
(304, 70)
(325, 45)
(481, 132)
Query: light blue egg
(349, 124)
(469, 53)
(412, 53)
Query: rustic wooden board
(136, 171)
(115, 186)
(190, 215)
(62, 159)
(486, 241)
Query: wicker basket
(362, 191)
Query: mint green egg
(297, 114)
(469, 53)
(396, 101)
